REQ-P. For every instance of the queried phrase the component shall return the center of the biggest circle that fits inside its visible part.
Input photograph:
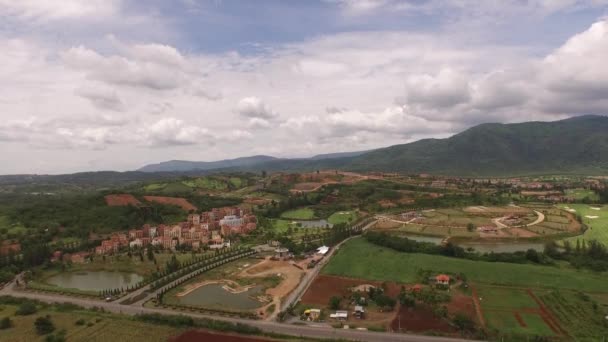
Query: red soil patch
(178, 201)
(420, 319)
(324, 287)
(520, 320)
(462, 304)
(121, 200)
(199, 335)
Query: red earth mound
(121, 200)
(420, 319)
(199, 335)
(178, 201)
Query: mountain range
(575, 145)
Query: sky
(116, 84)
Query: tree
(150, 253)
(26, 308)
(470, 226)
(44, 325)
(334, 303)
(463, 322)
(5, 323)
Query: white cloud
(255, 108)
(55, 10)
(337, 92)
(172, 131)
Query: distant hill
(575, 145)
(338, 155)
(184, 165)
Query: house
(79, 258)
(359, 312)
(56, 256)
(442, 279)
(312, 314)
(416, 288)
(340, 315)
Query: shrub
(44, 325)
(26, 308)
(5, 323)
(80, 322)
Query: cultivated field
(516, 310)
(97, 327)
(358, 258)
(121, 200)
(178, 201)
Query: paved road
(287, 329)
(295, 295)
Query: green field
(504, 297)
(598, 227)
(98, 327)
(578, 314)
(206, 183)
(506, 322)
(299, 214)
(580, 194)
(342, 217)
(358, 258)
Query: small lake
(483, 247)
(214, 296)
(94, 280)
(313, 223)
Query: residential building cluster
(210, 228)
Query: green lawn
(360, 259)
(506, 322)
(342, 217)
(299, 214)
(598, 227)
(580, 194)
(503, 297)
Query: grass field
(342, 217)
(299, 214)
(507, 322)
(360, 259)
(206, 183)
(580, 194)
(98, 327)
(598, 227)
(503, 297)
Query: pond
(484, 247)
(216, 297)
(313, 223)
(94, 280)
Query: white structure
(136, 243)
(339, 315)
(322, 250)
(231, 221)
